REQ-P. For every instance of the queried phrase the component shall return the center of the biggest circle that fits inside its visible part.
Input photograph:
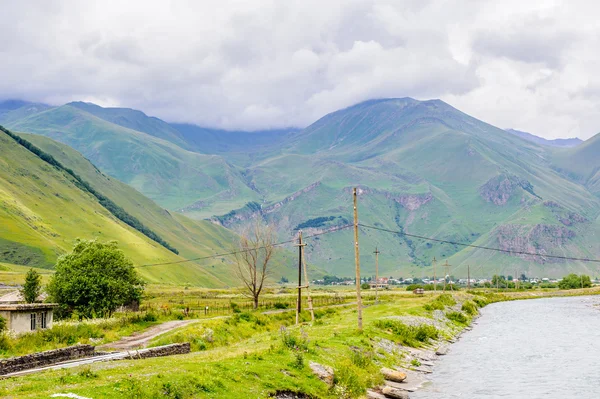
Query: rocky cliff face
(498, 190)
(541, 239)
(411, 202)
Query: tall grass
(413, 336)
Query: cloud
(266, 64)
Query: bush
(291, 341)
(481, 302)
(457, 317)
(2, 324)
(347, 382)
(573, 281)
(470, 308)
(281, 305)
(409, 335)
(365, 286)
(360, 358)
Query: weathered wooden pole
(434, 280)
(357, 261)
(376, 274)
(308, 297)
(299, 304)
(468, 277)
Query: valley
(423, 167)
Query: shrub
(281, 305)
(469, 307)
(481, 302)
(291, 341)
(2, 324)
(347, 382)
(409, 335)
(457, 317)
(573, 281)
(365, 286)
(361, 358)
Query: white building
(25, 317)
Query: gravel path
(141, 339)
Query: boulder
(394, 393)
(393, 375)
(442, 350)
(325, 373)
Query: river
(543, 348)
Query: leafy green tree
(573, 281)
(2, 324)
(94, 280)
(33, 286)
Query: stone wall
(47, 358)
(167, 350)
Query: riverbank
(256, 355)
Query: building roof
(16, 297)
(27, 306)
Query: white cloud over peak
(265, 64)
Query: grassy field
(256, 355)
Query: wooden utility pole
(434, 280)
(446, 270)
(468, 277)
(299, 304)
(376, 274)
(308, 297)
(357, 260)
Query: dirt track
(141, 339)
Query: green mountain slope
(163, 171)
(582, 163)
(428, 169)
(423, 167)
(43, 211)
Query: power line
(478, 246)
(246, 250)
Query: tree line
(108, 204)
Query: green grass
(258, 355)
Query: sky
(529, 65)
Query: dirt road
(141, 339)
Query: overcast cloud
(262, 64)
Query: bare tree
(255, 250)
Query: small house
(24, 317)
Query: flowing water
(543, 348)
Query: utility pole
(308, 297)
(299, 304)
(516, 281)
(434, 280)
(357, 260)
(468, 277)
(376, 274)
(446, 270)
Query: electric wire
(333, 230)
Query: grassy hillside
(582, 163)
(163, 171)
(423, 167)
(43, 211)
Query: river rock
(394, 393)
(325, 373)
(393, 375)
(442, 350)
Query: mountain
(582, 164)
(44, 209)
(563, 143)
(12, 110)
(168, 174)
(422, 168)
